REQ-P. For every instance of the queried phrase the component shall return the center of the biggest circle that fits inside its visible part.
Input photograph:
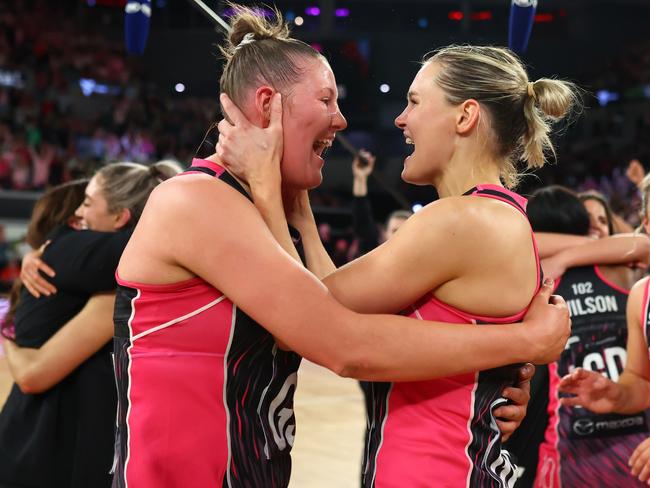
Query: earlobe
(263, 97)
(468, 116)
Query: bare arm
(37, 370)
(618, 249)
(301, 217)
(549, 244)
(361, 172)
(400, 271)
(635, 380)
(294, 306)
(449, 246)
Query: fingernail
(548, 281)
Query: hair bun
(248, 25)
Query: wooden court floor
(330, 421)
(330, 426)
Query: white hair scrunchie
(247, 39)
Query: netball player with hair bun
(468, 258)
(212, 315)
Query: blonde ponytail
(520, 112)
(547, 101)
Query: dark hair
(557, 209)
(600, 198)
(257, 51)
(54, 208)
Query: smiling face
(429, 125)
(310, 120)
(598, 221)
(93, 213)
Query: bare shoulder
(190, 191)
(494, 246)
(180, 217)
(450, 211)
(476, 216)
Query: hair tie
(247, 39)
(531, 90)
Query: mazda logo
(583, 427)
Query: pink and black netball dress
(443, 432)
(205, 395)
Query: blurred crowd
(54, 129)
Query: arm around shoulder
(232, 249)
(422, 256)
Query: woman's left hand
(509, 417)
(250, 152)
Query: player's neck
(464, 172)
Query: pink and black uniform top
(442, 432)
(205, 395)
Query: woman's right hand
(30, 276)
(590, 390)
(250, 152)
(547, 325)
